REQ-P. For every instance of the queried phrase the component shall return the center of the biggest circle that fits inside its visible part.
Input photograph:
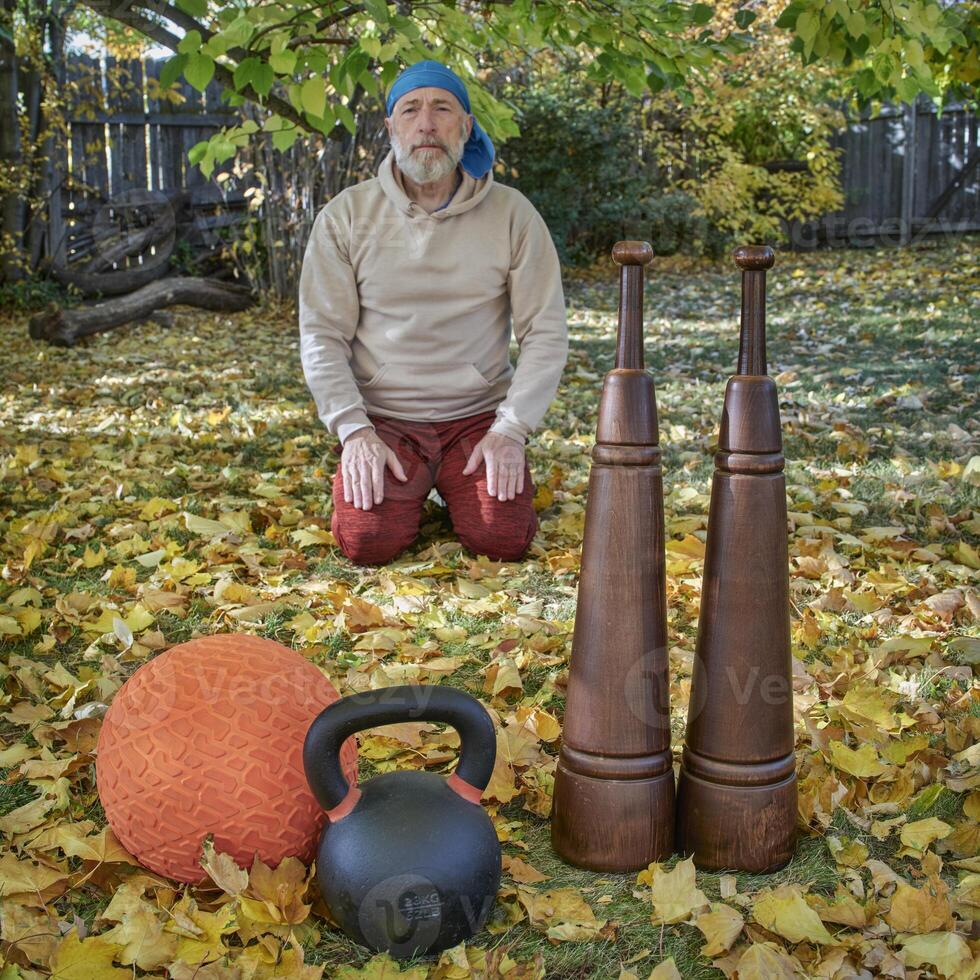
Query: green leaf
(601, 34)
(243, 73)
(283, 63)
(409, 28)
(190, 43)
(667, 67)
(323, 124)
(237, 32)
(787, 19)
(807, 25)
(372, 45)
(239, 135)
(744, 17)
(283, 139)
(222, 147)
(388, 73)
(317, 61)
(196, 8)
(254, 72)
(856, 24)
(199, 70)
(313, 96)
(369, 83)
(701, 13)
(171, 71)
(866, 83)
(347, 118)
(913, 54)
(196, 153)
(378, 10)
(635, 81)
(357, 61)
(907, 89)
(941, 40)
(884, 67)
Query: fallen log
(114, 283)
(63, 327)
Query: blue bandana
(478, 152)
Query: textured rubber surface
(208, 738)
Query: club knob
(632, 253)
(754, 258)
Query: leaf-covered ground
(158, 484)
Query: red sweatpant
(434, 454)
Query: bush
(34, 293)
(568, 162)
(672, 223)
(585, 167)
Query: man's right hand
(362, 468)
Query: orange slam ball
(208, 738)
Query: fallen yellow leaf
(721, 927)
(785, 911)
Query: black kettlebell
(409, 862)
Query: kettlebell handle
(387, 706)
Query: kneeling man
(411, 284)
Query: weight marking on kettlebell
(416, 908)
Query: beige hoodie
(408, 315)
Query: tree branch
(132, 18)
(318, 27)
(135, 17)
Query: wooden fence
(123, 137)
(906, 173)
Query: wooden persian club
(614, 788)
(736, 798)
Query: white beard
(429, 166)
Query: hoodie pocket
(417, 389)
(375, 378)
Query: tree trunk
(36, 216)
(64, 327)
(11, 207)
(55, 157)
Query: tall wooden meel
(736, 797)
(614, 787)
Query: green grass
(811, 867)
(16, 794)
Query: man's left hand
(505, 465)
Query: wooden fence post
(908, 172)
